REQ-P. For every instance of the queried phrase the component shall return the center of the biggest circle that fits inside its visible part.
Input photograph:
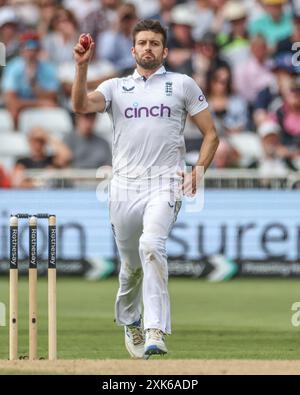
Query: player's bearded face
(149, 60)
(148, 50)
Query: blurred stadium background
(244, 55)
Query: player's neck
(145, 72)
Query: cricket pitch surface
(152, 367)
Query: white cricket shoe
(155, 342)
(135, 339)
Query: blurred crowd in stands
(244, 54)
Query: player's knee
(130, 270)
(151, 246)
(130, 273)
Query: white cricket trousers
(142, 220)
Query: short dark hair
(151, 25)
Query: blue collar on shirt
(161, 70)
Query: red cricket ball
(85, 41)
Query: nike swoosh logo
(170, 205)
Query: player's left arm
(203, 120)
(205, 124)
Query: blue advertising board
(240, 225)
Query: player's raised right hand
(82, 55)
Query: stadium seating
(6, 122)
(54, 120)
(12, 146)
(248, 145)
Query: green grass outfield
(240, 319)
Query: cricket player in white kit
(148, 110)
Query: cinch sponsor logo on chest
(145, 112)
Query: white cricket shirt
(148, 118)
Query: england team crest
(169, 88)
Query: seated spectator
(180, 41)
(39, 141)
(206, 56)
(270, 98)
(288, 117)
(208, 15)
(145, 8)
(66, 35)
(98, 20)
(28, 82)
(88, 150)
(295, 5)
(47, 9)
(255, 9)
(58, 48)
(229, 111)
(275, 24)
(9, 29)
(82, 8)
(286, 45)
(164, 14)
(115, 46)
(253, 74)
(28, 12)
(8, 36)
(4, 179)
(235, 46)
(276, 158)
(59, 43)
